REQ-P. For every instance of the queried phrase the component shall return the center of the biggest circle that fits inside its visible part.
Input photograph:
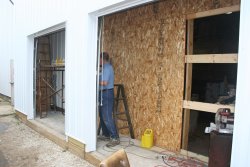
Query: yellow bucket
(147, 138)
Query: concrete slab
(54, 120)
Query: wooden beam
(206, 107)
(213, 12)
(212, 58)
(188, 84)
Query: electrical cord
(173, 161)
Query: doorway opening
(50, 80)
(213, 81)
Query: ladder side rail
(127, 112)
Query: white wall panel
(31, 17)
(6, 45)
(81, 74)
(241, 137)
(35, 16)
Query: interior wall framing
(191, 58)
(147, 48)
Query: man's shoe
(113, 142)
(103, 138)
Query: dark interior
(212, 35)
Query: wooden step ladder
(121, 97)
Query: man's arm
(105, 76)
(104, 83)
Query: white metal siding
(33, 17)
(6, 45)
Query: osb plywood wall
(147, 47)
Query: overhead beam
(206, 107)
(213, 12)
(212, 58)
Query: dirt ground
(20, 146)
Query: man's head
(105, 57)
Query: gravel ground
(20, 146)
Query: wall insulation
(147, 48)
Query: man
(106, 98)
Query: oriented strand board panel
(147, 47)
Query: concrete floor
(20, 146)
(54, 120)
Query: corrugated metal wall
(57, 45)
(31, 17)
(80, 68)
(57, 41)
(6, 45)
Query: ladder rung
(119, 98)
(43, 52)
(124, 127)
(122, 119)
(120, 113)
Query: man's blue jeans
(106, 113)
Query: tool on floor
(147, 139)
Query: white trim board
(119, 7)
(50, 30)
